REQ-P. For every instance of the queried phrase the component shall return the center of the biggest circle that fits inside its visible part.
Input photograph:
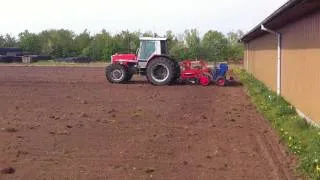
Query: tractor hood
(124, 58)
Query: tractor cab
(150, 47)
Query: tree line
(212, 46)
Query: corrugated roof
(289, 12)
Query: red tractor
(152, 60)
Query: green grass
(301, 138)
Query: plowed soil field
(69, 123)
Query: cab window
(147, 49)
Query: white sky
(143, 15)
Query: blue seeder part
(220, 71)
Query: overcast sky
(143, 15)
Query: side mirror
(137, 52)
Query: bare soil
(69, 123)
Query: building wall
(246, 56)
(300, 78)
(301, 65)
(262, 59)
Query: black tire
(116, 73)
(177, 71)
(161, 71)
(129, 76)
(131, 72)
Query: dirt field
(69, 123)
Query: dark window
(164, 49)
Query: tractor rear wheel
(161, 71)
(177, 71)
(116, 73)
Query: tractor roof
(152, 39)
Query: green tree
(193, 43)
(58, 43)
(2, 41)
(235, 48)
(215, 46)
(148, 34)
(172, 41)
(8, 41)
(29, 42)
(179, 51)
(81, 42)
(126, 42)
(101, 46)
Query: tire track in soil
(273, 156)
(268, 141)
(266, 137)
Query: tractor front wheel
(116, 73)
(129, 76)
